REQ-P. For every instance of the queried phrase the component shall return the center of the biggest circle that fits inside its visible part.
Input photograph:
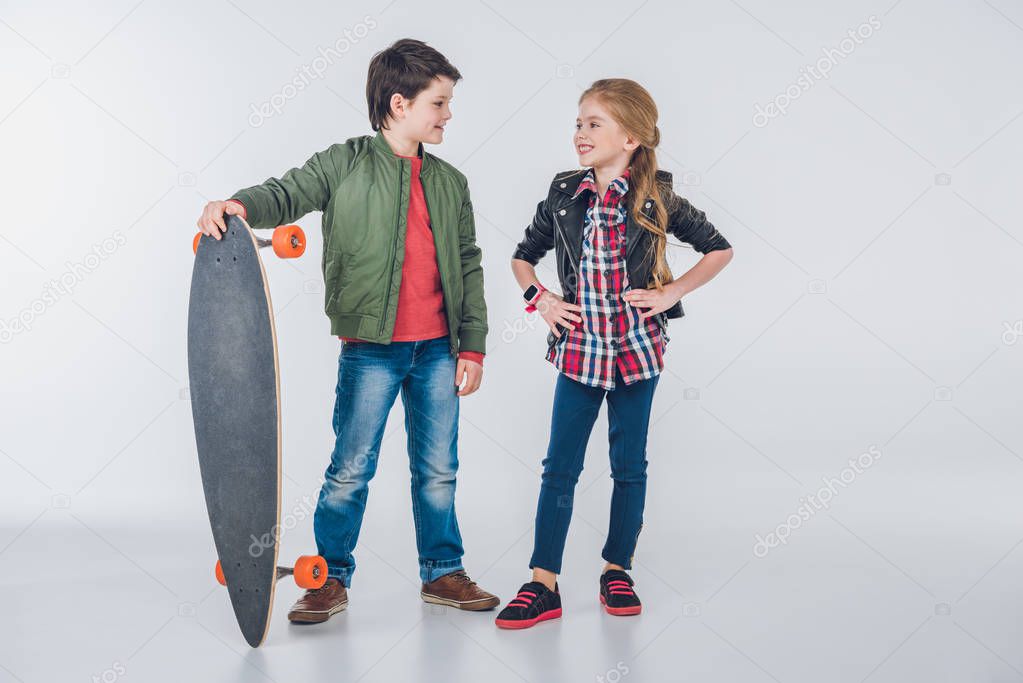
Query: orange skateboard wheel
(220, 574)
(195, 242)
(310, 571)
(289, 241)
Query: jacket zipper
(394, 247)
(564, 239)
(444, 294)
(574, 261)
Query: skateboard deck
(234, 380)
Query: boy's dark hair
(406, 67)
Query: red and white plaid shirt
(612, 333)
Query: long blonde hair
(632, 107)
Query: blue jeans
(575, 410)
(369, 379)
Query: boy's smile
(419, 120)
(429, 112)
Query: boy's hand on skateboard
(212, 223)
(471, 373)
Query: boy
(404, 291)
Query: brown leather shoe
(320, 604)
(459, 591)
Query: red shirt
(420, 313)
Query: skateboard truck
(288, 241)
(310, 571)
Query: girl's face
(599, 140)
(426, 115)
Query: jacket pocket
(334, 272)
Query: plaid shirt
(612, 333)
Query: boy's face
(599, 140)
(423, 119)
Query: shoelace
(521, 601)
(462, 576)
(619, 587)
(321, 589)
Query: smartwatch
(532, 295)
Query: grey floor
(846, 599)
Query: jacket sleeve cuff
(524, 254)
(715, 242)
(472, 339)
(245, 211)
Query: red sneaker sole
(526, 623)
(621, 611)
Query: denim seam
(620, 522)
(413, 442)
(337, 393)
(346, 547)
(557, 507)
(615, 532)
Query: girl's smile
(599, 140)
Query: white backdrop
(862, 158)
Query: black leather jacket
(559, 222)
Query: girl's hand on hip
(655, 300)
(556, 311)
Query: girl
(608, 224)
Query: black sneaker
(534, 603)
(616, 594)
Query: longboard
(234, 381)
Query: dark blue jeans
(575, 409)
(370, 376)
